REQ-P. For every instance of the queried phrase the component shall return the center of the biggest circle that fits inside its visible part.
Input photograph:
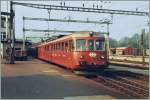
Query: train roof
(76, 35)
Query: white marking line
(95, 97)
(65, 75)
(50, 71)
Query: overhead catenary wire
(83, 9)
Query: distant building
(112, 51)
(5, 27)
(125, 51)
(5, 30)
(147, 52)
(18, 46)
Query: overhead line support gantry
(82, 9)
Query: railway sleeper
(133, 83)
(117, 85)
(122, 89)
(134, 88)
(142, 77)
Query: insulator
(83, 5)
(101, 6)
(64, 3)
(93, 5)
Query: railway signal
(142, 44)
(142, 37)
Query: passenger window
(54, 47)
(66, 46)
(47, 47)
(58, 46)
(81, 45)
(62, 46)
(71, 45)
(50, 48)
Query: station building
(125, 51)
(5, 31)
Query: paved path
(37, 79)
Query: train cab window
(100, 45)
(80, 45)
(91, 45)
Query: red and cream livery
(84, 50)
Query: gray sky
(123, 25)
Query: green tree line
(133, 41)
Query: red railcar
(76, 51)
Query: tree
(124, 42)
(113, 43)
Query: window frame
(85, 45)
(103, 45)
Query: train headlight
(81, 57)
(91, 34)
(102, 57)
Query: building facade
(5, 31)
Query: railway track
(130, 84)
(124, 87)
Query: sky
(123, 25)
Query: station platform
(37, 79)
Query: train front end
(91, 52)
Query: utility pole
(12, 36)
(142, 44)
(107, 37)
(7, 22)
(49, 11)
(0, 39)
(23, 34)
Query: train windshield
(91, 45)
(81, 45)
(100, 45)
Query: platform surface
(37, 79)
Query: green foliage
(134, 41)
(113, 43)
